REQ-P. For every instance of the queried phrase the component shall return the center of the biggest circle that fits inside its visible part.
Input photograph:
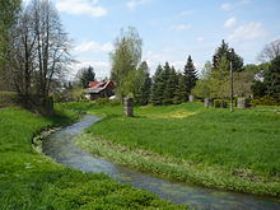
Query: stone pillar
(206, 102)
(128, 107)
(191, 98)
(242, 103)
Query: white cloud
(95, 47)
(200, 39)
(230, 23)
(81, 7)
(250, 31)
(226, 7)
(132, 4)
(181, 27)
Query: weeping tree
(125, 59)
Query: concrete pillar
(128, 107)
(206, 102)
(191, 98)
(242, 103)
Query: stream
(61, 147)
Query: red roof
(93, 84)
(97, 86)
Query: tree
(9, 11)
(125, 59)
(52, 45)
(180, 93)
(230, 55)
(171, 85)
(272, 79)
(39, 51)
(270, 51)
(157, 91)
(85, 75)
(22, 55)
(190, 75)
(202, 88)
(219, 80)
(258, 88)
(143, 84)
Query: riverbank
(232, 151)
(29, 180)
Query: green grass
(29, 180)
(212, 147)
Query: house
(100, 89)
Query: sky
(171, 29)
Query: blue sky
(171, 30)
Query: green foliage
(233, 151)
(29, 180)
(202, 87)
(157, 91)
(142, 85)
(220, 103)
(265, 101)
(168, 86)
(8, 98)
(258, 88)
(190, 75)
(171, 86)
(8, 15)
(125, 59)
(86, 75)
(272, 79)
(225, 51)
(180, 92)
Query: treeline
(171, 87)
(132, 77)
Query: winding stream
(61, 147)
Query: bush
(265, 101)
(221, 103)
(102, 101)
(8, 98)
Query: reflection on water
(60, 146)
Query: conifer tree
(225, 51)
(180, 93)
(272, 79)
(190, 75)
(143, 84)
(171, 85)
(157, 92)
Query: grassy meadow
(29, 180)
(237, 151)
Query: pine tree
(190, 75)
(225, 51)
(180, 92)
(272, 79)
(170, 88)
(143, 84)
(86, 75)
(156, 95)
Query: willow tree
(125, 59)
